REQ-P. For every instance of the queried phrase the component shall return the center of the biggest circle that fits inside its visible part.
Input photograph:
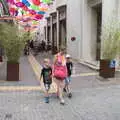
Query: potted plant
(13, 42)
(110, 49)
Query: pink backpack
(60, 72)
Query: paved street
(87, 104)
(92, 99)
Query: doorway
(48, 36)
(62, 37)
(54, 42)
(98, 10)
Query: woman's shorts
(67, 80)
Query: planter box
(106, 71)
(12, 71)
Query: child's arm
(55, 59)
(41, 75)
(71, 67)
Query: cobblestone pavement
(87, 104)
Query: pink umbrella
(11, 1)
(19, 4)
(32, 12)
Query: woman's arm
(55, 59)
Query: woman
(60, 72)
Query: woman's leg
(61, 82)
(60, 86)
(57, 83)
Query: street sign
(73, 38)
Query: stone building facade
(83, 21)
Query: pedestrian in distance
(69, 65)
(26, 49)
(43, 44)
(46, 74)
(60, 73)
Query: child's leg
(68, 88)
(65, 87)
(69, 82)
(46, 93)
(47, 87)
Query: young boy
(69, 65)
(46, 73)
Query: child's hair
(46, 60)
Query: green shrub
(12, 40)
(110, 40)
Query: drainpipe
(81, 43)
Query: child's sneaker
(69, 95)
(46, 99)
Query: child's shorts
(47, 86)
(67, 80)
